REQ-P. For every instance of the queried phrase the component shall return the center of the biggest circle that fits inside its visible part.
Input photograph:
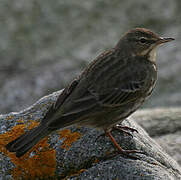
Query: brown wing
(61, 99)
(91, 97)
(93, 102)
(128, 92)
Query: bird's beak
(162, 40)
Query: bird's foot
(118, 147)
(124, 129)
(120, 128)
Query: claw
(120, 150)
(126, 128)
(128, 155)
(126, 132)
(132, 151)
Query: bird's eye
(143, 40)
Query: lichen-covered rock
(78, 152)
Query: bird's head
(142, 42)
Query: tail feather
(26, 141)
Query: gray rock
(89, 157)
(164, 125)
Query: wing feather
(93, 92)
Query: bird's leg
(121, 129)
(122, 151)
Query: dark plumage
(111, 88)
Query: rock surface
(44, 44)
(78, 153)
(164, 125)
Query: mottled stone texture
(77, 152)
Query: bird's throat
(150, 54)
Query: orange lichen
(9, 117)
(69, 138)
(42, 164)
(96, 160)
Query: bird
(113, 86)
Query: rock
(80, 153)
(163, 125)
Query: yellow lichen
(69, 138)
(41, 165)
(9, 117)
(21, 120)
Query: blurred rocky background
(45, 44)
